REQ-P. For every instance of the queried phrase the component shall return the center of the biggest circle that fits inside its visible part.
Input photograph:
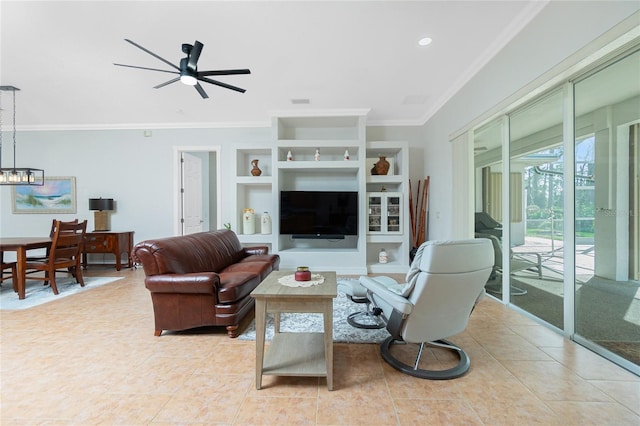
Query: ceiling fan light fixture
(188, 72)
(189, 80)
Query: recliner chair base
(366, 319)
(459, 370)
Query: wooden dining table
(21, 245)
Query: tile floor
(92, 358)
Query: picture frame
(57, 195)
(371, 163)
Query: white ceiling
(340, 55)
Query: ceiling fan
(188, 70)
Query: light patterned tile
(107, 367)
(354, 408)
(287, 386)
(551, 381)
(404, 386)
(589, 365)
(435, 412)
(595, 413)
(626, 393)
(205, 408)
(507, 402)
(277, 411)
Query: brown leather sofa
(202, 279)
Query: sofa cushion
(273, 259)
(260, 268)
(236, 285)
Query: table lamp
(102, 207)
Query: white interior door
(192, 219)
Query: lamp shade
(101, 204)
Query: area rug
(343, 332)
(37, 294)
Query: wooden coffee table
(295, 354)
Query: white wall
(139, 172)
(555, 34)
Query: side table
(112, 242)
(295, 354)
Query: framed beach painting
(57, 195)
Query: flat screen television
(319, 214)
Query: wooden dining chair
(8, 271)
(64, 255)
(51, 233)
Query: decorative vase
(248, 222)
(316, 156)
(265, 223)
(382, 166)
(383, 257)
(255, 171)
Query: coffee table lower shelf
(296, 354)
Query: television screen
(318, 214)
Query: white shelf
(319, 143)
(385, 238)
(254, 180)
(255, 238)
(296, 354)
(314, 166)
(385, 179)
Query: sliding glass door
(607, 217)
(536, 208)
(570, 159)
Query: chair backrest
(53, 225)
(68, 239)
(484, 221)
(451, 278)
(497, 248)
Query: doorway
(197, 189)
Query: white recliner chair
(444, 283)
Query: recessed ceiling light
(425, 41)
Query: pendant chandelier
(16, 175)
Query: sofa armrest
(257, 250)
(197, 283)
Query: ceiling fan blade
(218, 83)
(194, 55)
(173, 80)
(201, 91)
(224, 72)
(152, 54)
(145, 68)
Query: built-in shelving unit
(344, 164)
(391, 210)
(317, 146)
(254, 192)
